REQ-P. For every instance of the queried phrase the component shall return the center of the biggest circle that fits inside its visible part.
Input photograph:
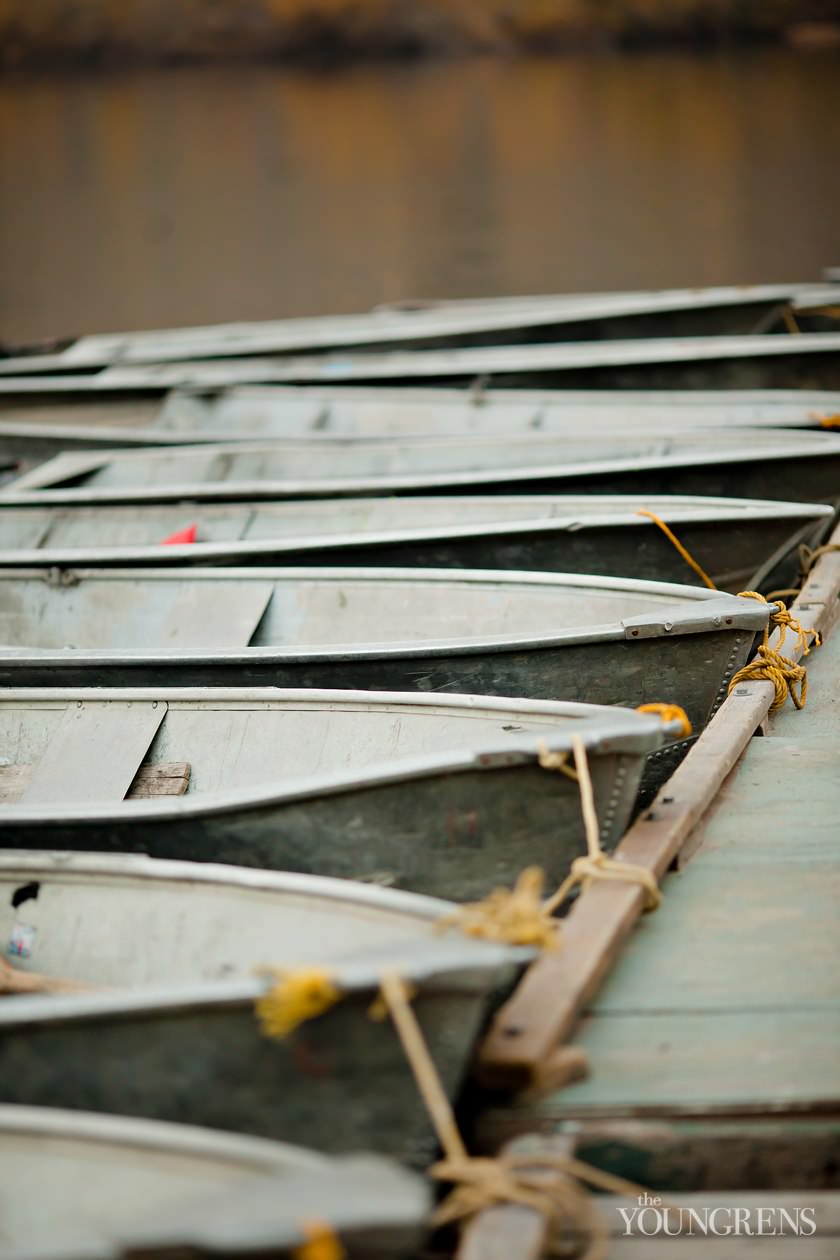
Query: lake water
(193, 195)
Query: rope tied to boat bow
(514, 917)
(769, 665)
(513, 1179)
(295, 997)
(596, 864)
(668, 713)
(520, 916)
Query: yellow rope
(808, 556)
(784, 592)
(515, 917)
(596, 864)
(684, 552)
(668, 713)
(520, 916)
(555, 760)
(784, 620)
(769, 665)
(295, 997)
(322, 1243)
(481, 1183)
(827, 422)
(790, 321)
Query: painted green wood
(822, 709)
(707, 1060)
(740, 943)
(780, 806)
(725, 1004)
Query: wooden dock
(712, 1046)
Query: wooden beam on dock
(545, 1007)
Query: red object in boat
(186, 535)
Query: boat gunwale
(157, 555)
(81, 865)
(385, 324)
(686, 509)
(451, 962)
(694, 610)
(41, 485)
(618, 731)
(190, 1140)
(338, 365)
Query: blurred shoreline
(43, 33)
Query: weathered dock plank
(725, 1006)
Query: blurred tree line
(90, 31)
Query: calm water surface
(187, 196)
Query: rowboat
(549, 318)
(807, 361)
(38, 431)
(270, 411)
(799, 466)
(443, 795)
(195, 1053)
(81, 1185)
(730, 538)
(541, 636)
(123, 921)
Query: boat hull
(338, 1083)
(731, 549)
(793, 475)
(688, 669)
(92, 1186)
(449, 835)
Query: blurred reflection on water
(183, 196)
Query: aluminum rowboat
(441, 795)
(543, 636)
(800, 466)
(730, 538)
(76, 1184)
(547, 318)
(194, 1053)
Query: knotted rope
(769, 665)
(520, 916)
(295, 997)
(516, 917)
(481, 1183)
(684, 552)
(783, 619)
(597, 864)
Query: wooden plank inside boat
(94, 753)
